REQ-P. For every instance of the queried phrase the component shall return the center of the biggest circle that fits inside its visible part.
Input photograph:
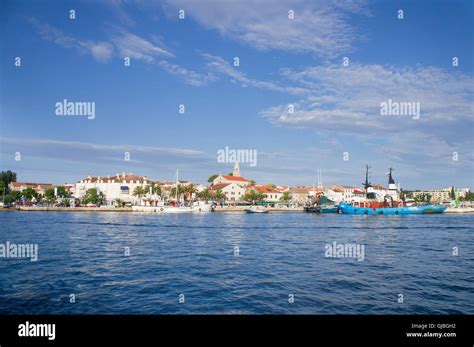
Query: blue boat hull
(430, 209)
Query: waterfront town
(124, 190)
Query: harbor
(229, 193)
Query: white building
(301, 194)
(119, 186)
(232, 191)
(272, 194)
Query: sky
(306, 94)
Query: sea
(236, 263)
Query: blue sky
(282, 61)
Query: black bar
(157, 329)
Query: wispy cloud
(103, 147)
(219, 66)
(100, 50)
(124, 44)
(348, 99)
(319, 27)
(136, 47)
(189, 76)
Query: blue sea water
(279, 254)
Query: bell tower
(236, 172)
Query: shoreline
(129, 209)
(241, 209)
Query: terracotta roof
(218, 186)
(282, 188)
(235, 178)
(28, 184)
(337, 188)
(265, 189)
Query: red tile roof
(28, 184)
(235, 178)
(218, 186)
(265, 189)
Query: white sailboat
(197, 206)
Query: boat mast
(177, 184)
(366, 183)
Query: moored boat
(391, 202)
(256, 209)
(399, 210)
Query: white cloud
(347, 99)
(189, 76)
(101, 147)
(136, 47)
(319, 27)
(124, 44)
(218, 65)
(101, 51)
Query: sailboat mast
(177, 184)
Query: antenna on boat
(367, 184)
(320, 179)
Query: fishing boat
(399, 210)
(385, 202)
(319, 202)
(322, 208)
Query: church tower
(236, 172)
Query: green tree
(254, 196)
(469, 197)
(119, 203)
(230, 174)
(12, 196)
(219, 195)
(7, 177)
(212, 178)
(181, 191)
(62, 192)
(139, 191)
(286, 197)
(421, 198)
(29, 193)
(252, 183)
(205, 195)
(155, 189)
(49, 196)
(452, 194)
(92, 197)
(189, 190)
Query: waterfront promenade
(217, 209)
